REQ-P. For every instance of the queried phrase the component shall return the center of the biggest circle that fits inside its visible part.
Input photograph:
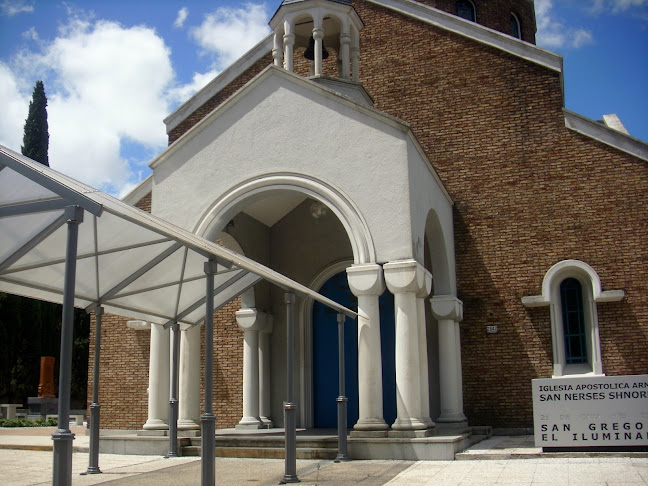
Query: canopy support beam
(93, 460)
(35, 241)
(33, 207)
(208, 420)
(135, 275)
(173, 401)
(63, 438)
(341, 399)
(290, 408)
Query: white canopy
(128, 261)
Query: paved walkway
(26, 459)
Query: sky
(114, 69)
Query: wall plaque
(605, 411)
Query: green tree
(31, 328)
(36, 135)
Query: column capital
(366, 279)
(447, 307)
(251, 319)
(427, 285)
(404, 276)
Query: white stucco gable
(301, 137)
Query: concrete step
(262, 452)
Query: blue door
(325, 355)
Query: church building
(414, 161)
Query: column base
(371, 424)
(155, 424)
(449, 418)
(409, 424)
(249, 423)
(188, 424)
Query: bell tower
(316, 25)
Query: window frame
(472, 5)
(518, 24)
(591, 294)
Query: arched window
(572, 289)
(466, 10)
(516, 30)
(573, 320)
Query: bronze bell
(310, 50)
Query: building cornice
(604, 134)
(141, 190)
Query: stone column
(250, 321)
(367, 283)
(448, 311)
(355, 54)
(423, 348)
(318, 36)
(265, 408)
(289, 45)
(405, 279)
(189, 396)
(159, 375)
(277, 50)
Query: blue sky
(114, 69)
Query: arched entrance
(325, 356)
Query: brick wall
(528, 193)
(123, 373)
(496, 15)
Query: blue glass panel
(573, 314)
(466, 10)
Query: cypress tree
(36, 136)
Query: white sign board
(605, 411)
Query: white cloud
(552, 33)
(30, 34)
(182, 93)
(617, 6)
(183, 13)
(230, 32)
(14, 109)
(10, 8)
(109, 87)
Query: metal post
(341, 399)
(93, 461)
(290, 408)
(63, 438)
(208, 420)
(173, 401)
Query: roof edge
(139, 191)
(604, 134)
(474, 31)
(239, 66)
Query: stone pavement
(496, 461)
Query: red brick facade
(528, 193)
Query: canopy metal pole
(341, 399)
(208, 420)
(290, 408)
(173, 401)
(93, 461)
(63, 437)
